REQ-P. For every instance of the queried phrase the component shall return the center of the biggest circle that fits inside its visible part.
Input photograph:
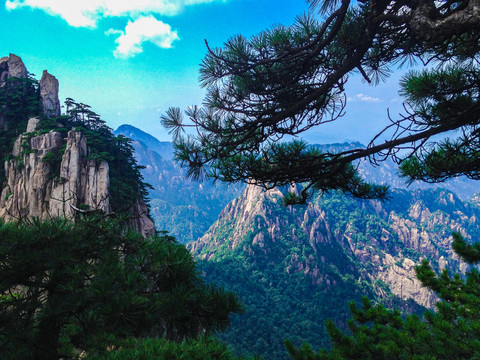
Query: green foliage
(269, 278)
(126, 182)
(77, 286)
(321, 256)
(19, 101)
(286, 80)
(161, 349)
(452, 332)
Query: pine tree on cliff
(286, 80)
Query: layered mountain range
(307, 262)
(184, 208)
(297, 266)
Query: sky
(131, 60)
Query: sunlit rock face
(374, 242)
(49, 95)
(50, 175)
(11, 66)
(33, 190)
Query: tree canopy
(288, 79)
(68, 288)
(452, 332)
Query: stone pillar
(10, 66)
(49, 95)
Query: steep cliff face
(10, 67)
(33, 190)
(52, 173)
(379, 243)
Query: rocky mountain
(297, 266)
(58, 166)
(32, 191)
(162, 148)
(183, 207)
(186, 209)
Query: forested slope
(297, 266)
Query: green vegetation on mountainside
(293, 282)
(184, 208)
(19, 101)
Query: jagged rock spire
(11, 66)
(49, 95)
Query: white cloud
(86, 13)
(366, 98)
(144, 29)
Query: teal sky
(131, 60)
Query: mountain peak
(163, 148)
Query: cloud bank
(86, 13)
(145, 27)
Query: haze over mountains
(184, 208)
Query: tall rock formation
(11, 66)
(49, 95)
(51, 173)
(32, 191)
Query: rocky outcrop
(11, 66)
(35, 189)
(52, 174)
(141, 220)
(49, 95)
(373, 241)
(399, 274)
(32, 190)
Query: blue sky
(131, 60)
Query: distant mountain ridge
(162, 148)
(387, 173)
(300, 265)
(183, 207)
(186, 209)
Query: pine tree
(286, 80)
(69, 287)
(450, 332)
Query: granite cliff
(297, 266)
(380, 242)
(50, 173)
